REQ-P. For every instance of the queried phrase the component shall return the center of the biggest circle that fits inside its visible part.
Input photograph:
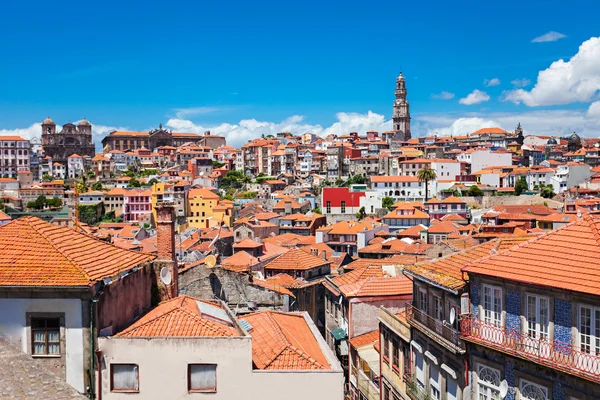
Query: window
(532, 391)
(538, 316)
(202, 377)
(385, 347)
(419, 370)
(437, 308)
(434, 381)
(589, 329)
(396, 355)
(45, 333)
(328, 207)
(488, 383)
(343, 207)
(422, 300)
(124, 378)
(492, 305)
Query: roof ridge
(30, 219)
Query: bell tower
(401, 116)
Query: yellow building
(205, 210)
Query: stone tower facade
(401, 116)
(72, 139)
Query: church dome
(84, 122)
(552, 141)
(48, 121)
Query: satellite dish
(503, 388)
(452, 316)
(165, 276)
(210, 261)
(467, 393)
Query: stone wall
(493, 201)
(232, 287)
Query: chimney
(314, 252)
(165, 244)
(323, 255)
(288, 207)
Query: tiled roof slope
(180, 317)
(296, 259)
(566, 258)
(447, 272)
(36, 253)
(284, 341)
(378, 286)
(364, 339)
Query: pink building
(137, 205)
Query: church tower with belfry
(401, 117)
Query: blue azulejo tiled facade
(513, 310)
(563, 321)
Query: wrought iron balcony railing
(436, 328)
(562, 356)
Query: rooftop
(36, 253)
(284, 341)
(183, 316)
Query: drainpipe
(92, 351)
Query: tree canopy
(521, 186)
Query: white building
(487, 158)
(371, 201)
(570, 175)
(58, 171)
(75, 166)
(191, 348)
(14, 155)
(405, 188)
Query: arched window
(531, 391)
(488, 383)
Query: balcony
(553, 354)
(439, 331)
(416, 391)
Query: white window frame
(493, 315)
(523, 382)
(492, 391)
(435, 390)
(536, 327)
(593, 346)
(437, 307)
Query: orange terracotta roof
(290, 240)
(183, 316)
(247, 244)
(413, 231)
(364, 339)
(296, 259)
(284, 341)
(378, 286)
(443, 227)
(203, 193)
(16, 138)
(447, 272)
(36, 253)
(377, 179)
(566, 258)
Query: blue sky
(205, 64)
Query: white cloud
(240, 133)
(594, 110)
(564, 82)
(35, 130)
(549, 37)
(443, 95)
(521, 82)
(492, 82)
(538, 122)
(475, 97)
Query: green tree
(97, 185)
(47, 177)
(547, 191)
(317, 211)
(361, 213)
(91, 174)
(339, 182)
(217, 164)
(134, 183)
(521, 186)
(54, 202)
(425, 175)
(387, 202)
(81, 187)
(475, 191)
(153, 181)
(356, 179)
